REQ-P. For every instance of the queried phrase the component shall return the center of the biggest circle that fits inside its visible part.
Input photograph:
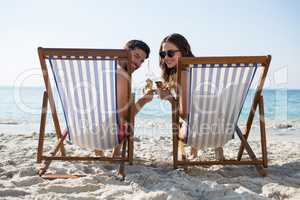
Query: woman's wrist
(171, 99)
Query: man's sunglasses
(169, 53)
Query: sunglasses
(169, 53)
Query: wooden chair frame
(258, 101)
(45, 160)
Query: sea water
(20, 111)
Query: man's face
(138, 56)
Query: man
(139, 51)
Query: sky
(213, 28)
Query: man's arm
(122, 94)
(141, 102)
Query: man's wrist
(142, 101)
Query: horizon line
(41, 86)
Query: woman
(171, 49)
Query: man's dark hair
(132, 44)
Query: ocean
(20, 112)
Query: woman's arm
(165, 94)
(183, 96)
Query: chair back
(86, 82)
(218, 87)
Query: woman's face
(170, 54)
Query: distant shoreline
(42, 87)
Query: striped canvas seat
(86, 83)
(87, 90)
(217, 93)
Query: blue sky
(213, 28)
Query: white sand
(151, 176)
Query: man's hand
(148, 96)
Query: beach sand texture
(151, 176)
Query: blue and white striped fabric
(87, 89)
(217, 94)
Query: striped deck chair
(218, 87)
(86, 82)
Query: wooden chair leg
(250, 152)
(130, 150)
(131, 134)
(175, 133)
(42, 128)
(248, 127)
(47, 163)
(122, 163)
(263, 132)
(175, 150)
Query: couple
(171, 49)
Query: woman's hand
(165, 94)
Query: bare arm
(183, 96)
(165, 94)
(123, 97)
(122, 94)
(141, 102)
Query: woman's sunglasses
(169, 53)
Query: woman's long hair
(184, 47)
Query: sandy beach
(151, 176)
(92, 67)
